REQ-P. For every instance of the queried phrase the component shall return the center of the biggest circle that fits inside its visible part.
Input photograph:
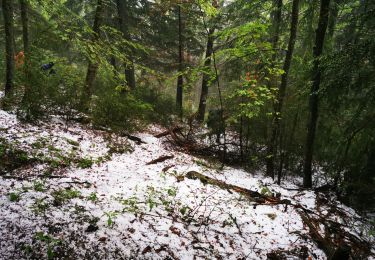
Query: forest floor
(68, 191)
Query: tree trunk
(9, 47)
(206, 76)
(123, 22)
(26, 44)
(282, 89)
(180, 82)
(276, 20)
(93, 66)
(334, 11)
(313, 102)
(25, 27)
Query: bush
(47, 93)
(119, 111)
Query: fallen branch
(168, 132)
(32, 176)
(160, 159)
(137, 140)
(252, 195)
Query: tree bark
(25, 27)
(9, 47)
(206, 76)
(179, 91)
(92, 67)
(26, 44)
(276, 20)
(313, 102)
(123, 22)
(282, 89)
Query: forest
(187, 129)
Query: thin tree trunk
(291, 138)
(282, 89)
(276, 27)
(9, 47)
(277, 4)
(179, 91)
(334, 11)
(25, 27)
(313, 102)
(206, 76)
(26, 44)
(93, 66)
(123, 22)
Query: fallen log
(168, 132)
(137, 140)
(252, 195)
(160, 159)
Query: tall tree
(179, 91)
(313, 101)
(284, 82)
(123, 15)
(25, 26)
(276, 21)
(92, 67)
(9, 46)
(206, 75)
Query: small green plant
(52, 148)
(184, 210)
(40, 206)
(93, 197)
(85, 163)
(131, 204)
(50, 241)
(39, 186)
(172, 191)
(111, 215)
(72, 142)
(63, 195)
(14, 196)
(265, 191)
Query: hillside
(68, 191)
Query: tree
(179, 91)
(313, 101)
(277, 5)
(122, 10)
(92, 67)
(9, 46)
(25, 26)
(282, 89)
(206, 75)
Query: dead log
(168, 132)
(160, 159)
(252, 195)
(137, 140)
(323, 243)
(166, 168)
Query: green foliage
(111, 216)
(12, 157)
(39, 186)
(14, 196)
(93, 197)
(40, 206)
(131, 204)
(50, 241)
(63, 195)
(251, 97)
(119, 110)
(85, 163)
